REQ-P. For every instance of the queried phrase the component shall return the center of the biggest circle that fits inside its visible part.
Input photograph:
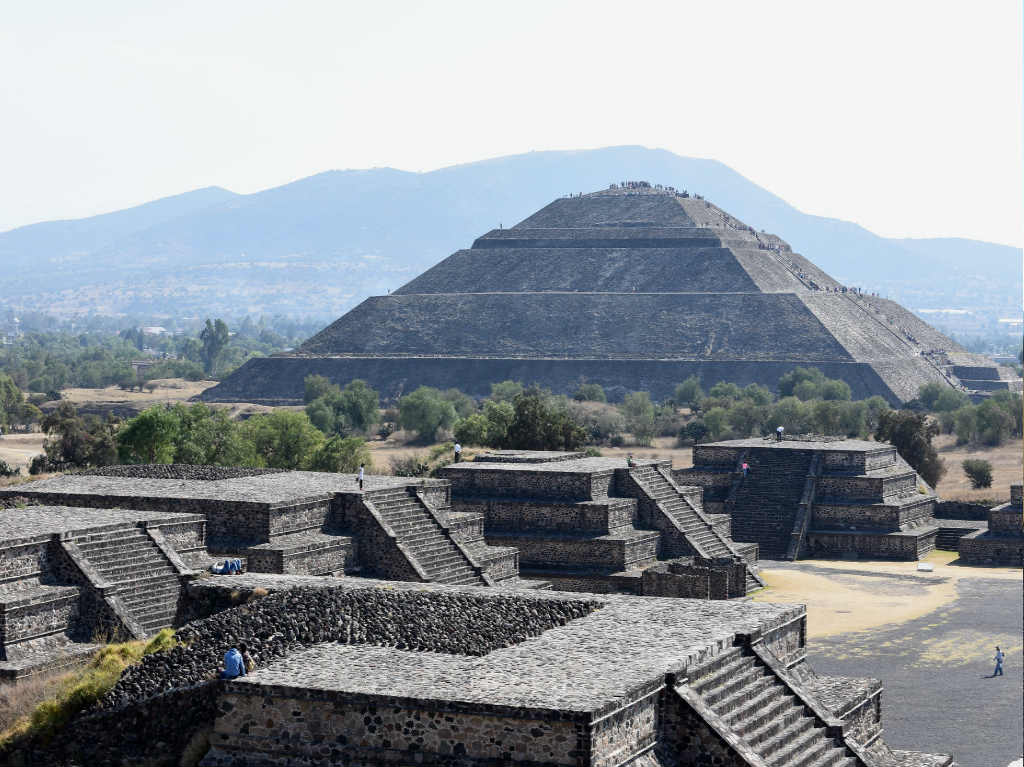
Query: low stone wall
(321, 555)
(24, 561)
(960, 510)
(1006, 520)
(297, 517)
(699, 579)
(903, 546)
(587, 517)
(380, 730)
(38, 620)
(523, 483)
(984, 548)
(867, 488)
(833, 516)
(857, 461)
(612, 553)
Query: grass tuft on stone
(80, 689)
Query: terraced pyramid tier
(634, 288)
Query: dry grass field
(165, 390)
(1007, 467)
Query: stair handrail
(798, 535)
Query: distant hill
(319, 245)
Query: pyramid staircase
(145, 580)
(765, 505)
(423, 538)
(697, 528)
(752, 703)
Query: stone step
(805, 747)
(733, 677)
(102, 536)
(743, 707)
(97, 547)
(143, 582)
(122, 573)
(779, 719)
(129, 556)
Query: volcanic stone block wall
(37, 620)
(867, 544)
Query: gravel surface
(938, 692)
(285, 622)
(178, 471)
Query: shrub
(639, 414)
(979, 472)
(688, 393)
(425, 411)
(590, 392)
(6, 470)
(911, 434)
(693, 432)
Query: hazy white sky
(902, 116)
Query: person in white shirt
(458, 452)
(778, 433)
(360, 476)
(999, 662)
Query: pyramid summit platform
(635, 287)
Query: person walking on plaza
(360, 476)
(999, 662)
(458, 452)
(778, 433)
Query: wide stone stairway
(146, 582)
(759, 707)
(766, 502)
(423, 537)
(699, 531)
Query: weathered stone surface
(633, 289)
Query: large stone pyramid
(635, 288)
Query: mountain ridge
(318, 245)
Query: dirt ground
(1007, 468)
(844, 596)
(167, 390)
(18, 449)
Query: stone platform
(636, 681)
(597, 524)
(823, 497)
(1001, 541)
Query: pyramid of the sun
(635, 288)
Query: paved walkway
(939, 695)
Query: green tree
(283, 439)
(965, 425)
(472, 430)
(994, 423)
(537, 425)
(499, 417)
(827, 416)
(638, 410)
(360, 405)
(929, 393)
(506, 391)
(759, 395)
(341, 455)
(214, 338)
(688, 393)
(317, 386)
(425, 411)
(835, 390)
(590, 392)
(789, 382)
(978, 471)
(911, 434)
(76, 442)
(463, 403)
(208, 436)
(725, 390)
(747, 417)
(150, 437)
(716, 421)
(11, 400)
